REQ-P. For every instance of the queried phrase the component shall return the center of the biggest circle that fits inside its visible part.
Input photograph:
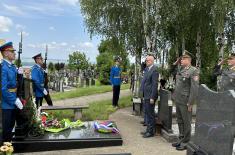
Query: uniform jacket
(149, 83)
(187, 82)
(37, 75)
(115, 76)
(227, 81)
(9, 75)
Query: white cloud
(63, 44)
(68, 2)
(20, 27)
(86, 45)
(5, 24)
(13, 9)
(32, 45)
(52, 28)
(23, 33)
(53, 42)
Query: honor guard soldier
(115, 79)
(227, 75)
(37, 76)
(9, 91)
(186, 89)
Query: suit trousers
(145, 113)
(116, 92)
(184, 119)
(151, 123)
(39, 101)
(8, 123)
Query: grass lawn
(97, 110)
(78, 92)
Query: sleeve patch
(196, 78)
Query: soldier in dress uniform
(37, 76)
(186, 89)
(227, 75)
(9, 91)
(115, 79)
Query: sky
(57, 23)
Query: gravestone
(85, 137)
(82, 83)
(93, 82)
(165, 115)
(87, 82)
(214, 129)
(0, 103)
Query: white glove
(45, 92)
(18, 104)
(20, 70)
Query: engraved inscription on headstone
(214, 129)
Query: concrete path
(133, 142)
(85, 100)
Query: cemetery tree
(51, 67)
(78, 61)
(104, 64)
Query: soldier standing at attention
(37, 76)
(186, 89)
(9, 91)
(227, 75)
(115, 79)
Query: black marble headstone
(215, 106)
(68, 139)
(214, 122)
(165, 110)
(87, 82)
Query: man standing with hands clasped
(186, 89)
(149, 87)
(37, 75)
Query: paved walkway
(133, 142)
(85, 100)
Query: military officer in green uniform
(227, 75)
(185, 93)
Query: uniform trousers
(39, 101)
(8, 123)
(116, 92)
(184, 119)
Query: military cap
(6, 46)
(118, 58)
(36, 56)
(187, 54)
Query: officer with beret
(227, 75)
(37, 76)
(115, 79)
(9, 91)
(186, 89)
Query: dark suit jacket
(149, 84)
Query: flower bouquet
(53, 125)
(6, 149)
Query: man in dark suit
(149, 87)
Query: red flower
(23, 102)
(44, 118)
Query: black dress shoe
(175, 144)
(144, 124)
(143, 132)
(147, 135)
(181, 148)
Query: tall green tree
(78, 61)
